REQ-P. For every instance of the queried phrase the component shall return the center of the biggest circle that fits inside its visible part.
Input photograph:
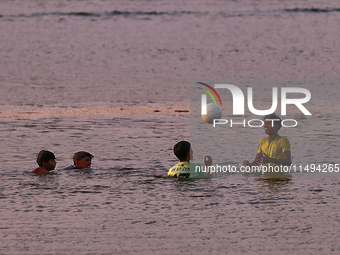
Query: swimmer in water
(81, 160)
(46, 161)
(274, 150)
(184, 168)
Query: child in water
(46, 161)
(184, 168)
(81, 159)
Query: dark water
(110, 77)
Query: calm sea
(113, 78)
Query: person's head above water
(46, 160)
(183, 151)
(82, 159)
(273, 119)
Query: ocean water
(113, 78)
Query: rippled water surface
(127, 210)
(113, 78)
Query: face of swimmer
(50, 165)
(190, 155)
(270, 128)
(83, 163)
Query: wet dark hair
(80, 155)
(272, 117)
(181, 150)
(44, 156)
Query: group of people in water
(47, 161)
(273, 150)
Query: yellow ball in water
(213, 112)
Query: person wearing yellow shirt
(273, 150)
(184, 168)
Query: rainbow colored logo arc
(208, 92)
